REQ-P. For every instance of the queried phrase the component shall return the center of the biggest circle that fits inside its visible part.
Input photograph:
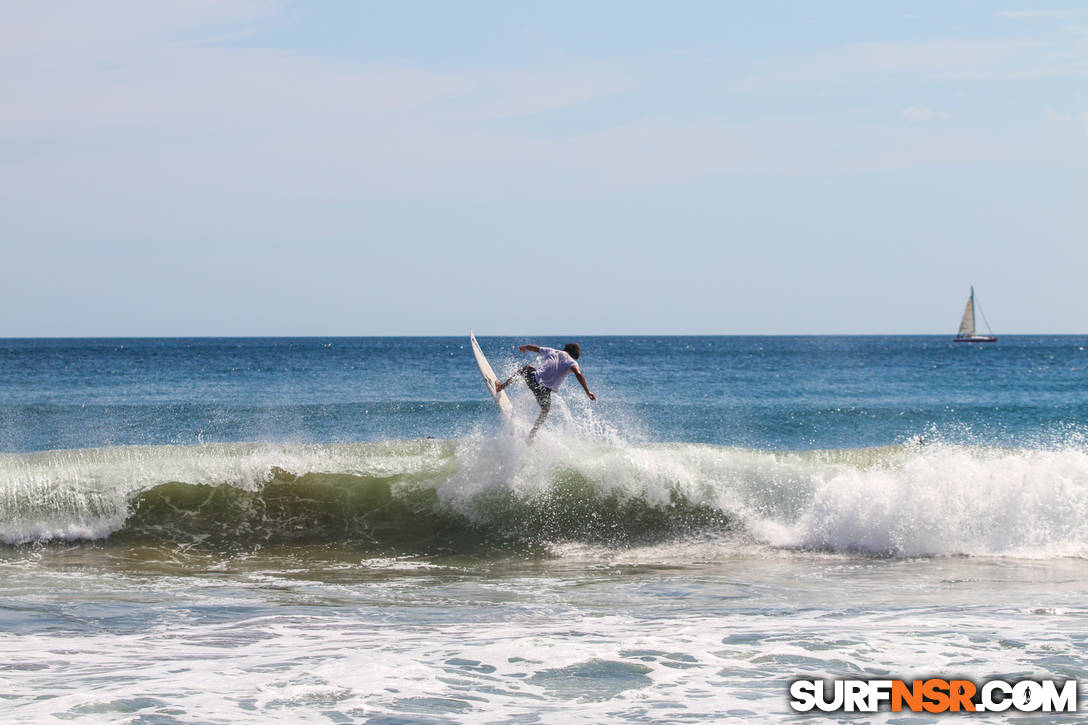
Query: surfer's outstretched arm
(530, 348)
(582, 380)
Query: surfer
(555, 365)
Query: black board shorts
(543, 394)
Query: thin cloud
(1037, 14)
(943, 59)
(193, 120)
(921, 113)
(66, 69)
(1059, 117)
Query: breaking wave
(421, 496)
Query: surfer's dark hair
(573, 349)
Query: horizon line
(533, 334)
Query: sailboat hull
(975, 338)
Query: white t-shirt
(554, 367)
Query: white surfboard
(505, 407)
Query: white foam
(704, 645)
(905, 501)
(947, 500)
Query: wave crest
(429, 496)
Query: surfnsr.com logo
(933, 695)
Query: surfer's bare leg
(500, 386)
(539, 420)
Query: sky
(422, 168)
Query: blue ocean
(346, 530)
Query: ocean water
(344, 530)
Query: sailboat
(967, 324)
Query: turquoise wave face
(398, 514)
(402, 515)
(483, 493)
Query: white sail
(967, 324)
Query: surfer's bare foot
(499, 386)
